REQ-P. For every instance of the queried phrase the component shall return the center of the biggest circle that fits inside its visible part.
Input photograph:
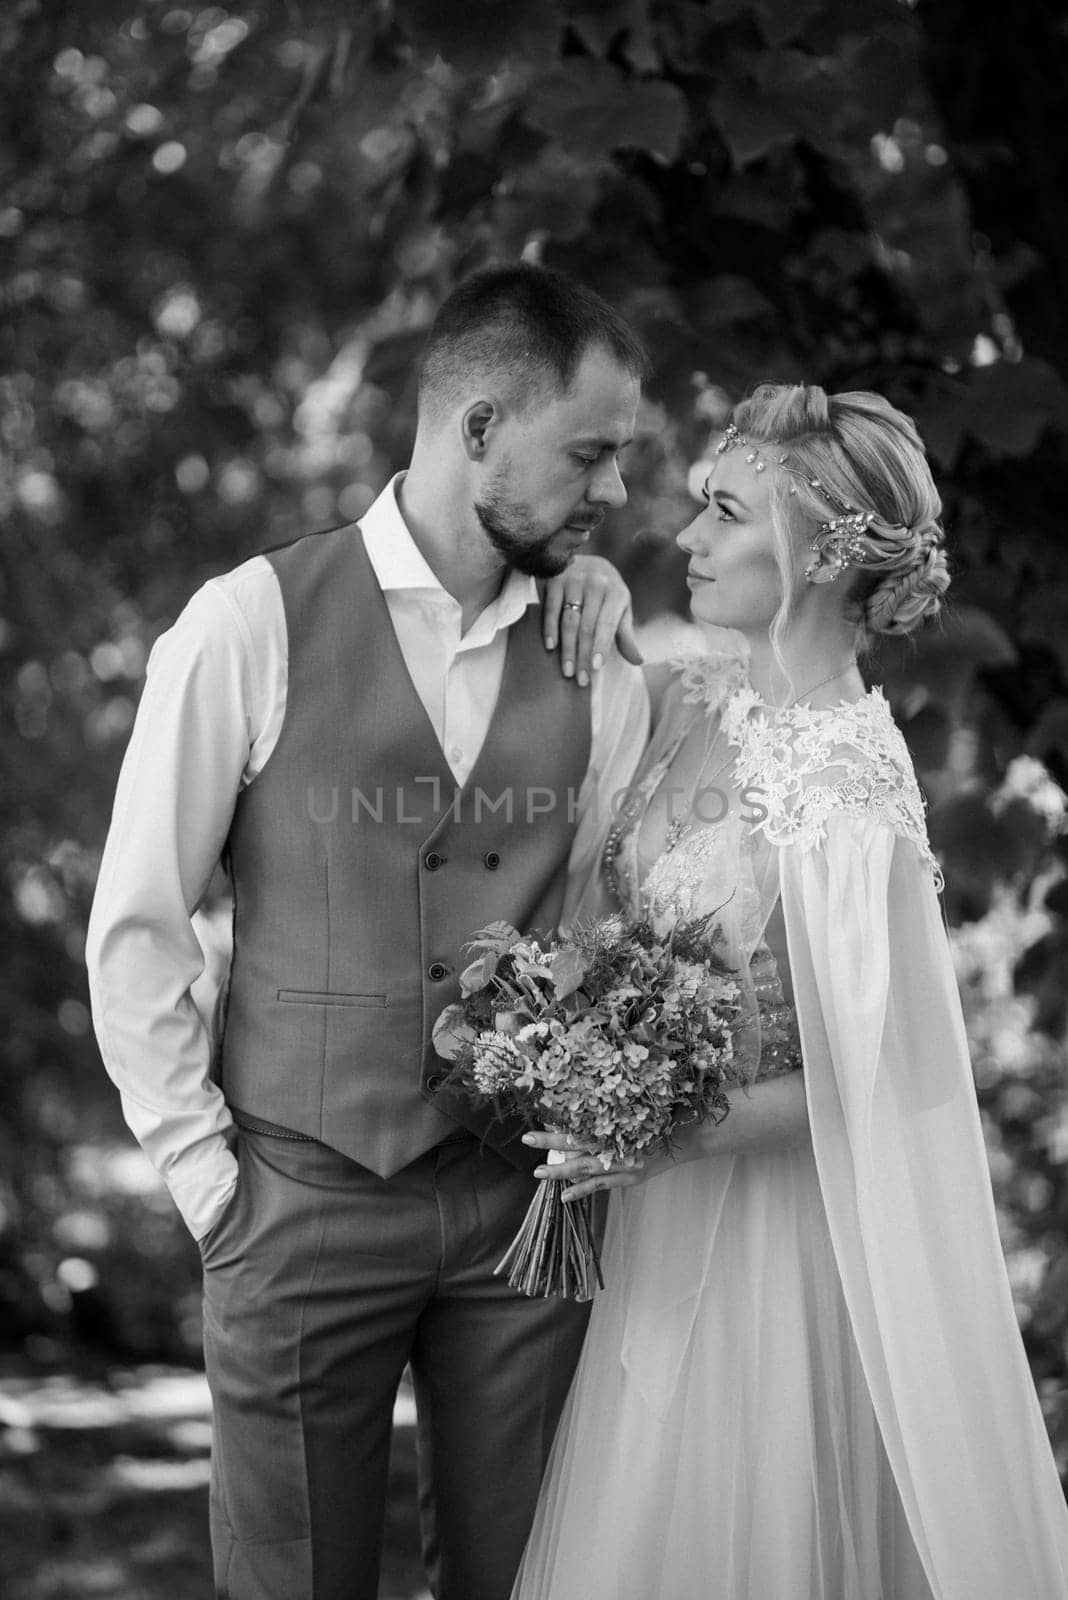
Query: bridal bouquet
(616, 1036)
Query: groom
(366, 728)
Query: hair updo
(865, 455)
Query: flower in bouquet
(616, 1036)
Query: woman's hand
(583, 1170)
(585, 607)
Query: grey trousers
(321, 1282)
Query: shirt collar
(399, 564)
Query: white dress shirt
(211, 712)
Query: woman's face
(734, 575)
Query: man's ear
(475, 425)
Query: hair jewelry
(839, 544)
(732, 440)
(840, 539)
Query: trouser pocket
(221, 1242)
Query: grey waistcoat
(359, 870)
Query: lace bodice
(787, 770)
(799, 765)
(807, 764)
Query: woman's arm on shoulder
(587, 609)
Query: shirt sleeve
(619, 733)
(197, 729)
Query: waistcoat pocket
(319, 997)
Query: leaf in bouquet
(627, 991)
(531, 999)
(500, 937)
(568, 969)
(584, 1026)
(452, 1035)
(598, 936)
(527, 967)
(477, 974)
(701, 939)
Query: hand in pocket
(209, 1242)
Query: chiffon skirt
(719, 1441)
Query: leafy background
(223, 231)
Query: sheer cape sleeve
(835, 830)
(903, 1175)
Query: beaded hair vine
(733, 440)
(838, 542)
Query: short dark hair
(524, 321)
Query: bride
(804, 1380)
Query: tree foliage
(224, 232)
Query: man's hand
(587, 606)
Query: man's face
(553, 470)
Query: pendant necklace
(821, 685)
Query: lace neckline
(717, 679)
(743, 701)
(752, 700)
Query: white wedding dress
(804, 1379)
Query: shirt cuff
(203, 1189)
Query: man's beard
(507, 524)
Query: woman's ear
(475, 425)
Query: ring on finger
(573, 605)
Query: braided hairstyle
(853, 452)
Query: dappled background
(223, 231)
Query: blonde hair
(852, 452)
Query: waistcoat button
(432, 861)
(492, 860)
(437, 970)
(434, 1082)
